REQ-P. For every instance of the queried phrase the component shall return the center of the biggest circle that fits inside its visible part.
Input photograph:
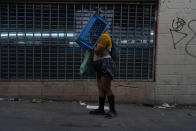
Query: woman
(104, 67)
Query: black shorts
(104, 67)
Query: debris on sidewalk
(96, 107)
(3, 99)
(37, 100)
(82, 103)
(166, 105)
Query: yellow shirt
(105, 41)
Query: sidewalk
(71, 116)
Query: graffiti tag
(177, 26)
(193, 37)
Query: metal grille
(37, 40)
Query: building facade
(40, 58)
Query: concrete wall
(126, 92)
(176, 56)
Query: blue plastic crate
(90, 34)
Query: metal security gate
(37, 40)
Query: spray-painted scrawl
(192, 38)
(177, 26)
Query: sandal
(110, 114)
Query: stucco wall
(176, 52)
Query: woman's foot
(110, 114)
(97, 112)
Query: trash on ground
(166, 105)
(82, 103)
(96, 107)
(37, 101)
(3, 99)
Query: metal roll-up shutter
(37, 38)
